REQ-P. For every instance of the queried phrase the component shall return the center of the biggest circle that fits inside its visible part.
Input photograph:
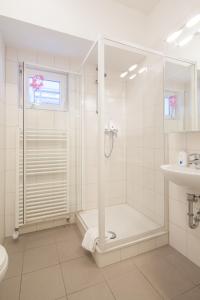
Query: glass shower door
(131, 183)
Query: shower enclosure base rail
(126, 250)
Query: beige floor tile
(185, 266)
(97, 292)
(10, 289)
(81, 273)
(40, 238)
(118, 269)
(14, 265)
(14, 246)
(67, 233)
(151, 256)
(45, 284)
(38, 258)
(164, 251)
(132, 285)
(165, 277)
(193, 294)
(67, 251)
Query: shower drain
(112, 235)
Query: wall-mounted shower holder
(193, 218)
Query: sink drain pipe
(194, 219)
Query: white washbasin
(185, 176)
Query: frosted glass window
(49, 93)
(45, 89)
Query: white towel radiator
(43, 176)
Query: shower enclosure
(123, 145)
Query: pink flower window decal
(37, 82)
(172, 101)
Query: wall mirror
(180, 97)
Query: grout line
(107, 284)
(61, 270)
(20, 289)
(40, 269)
(151, 284)
(185, 292)
(85, 288)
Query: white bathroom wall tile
(193, 141)
(147, 245)
(178, 238)
(10, 159)
(10, 203)
(91, 103)
(173, 156)
(91, 173)
(159, 182)
(90, 196)
(12, 116)
(45, 59)
(149, 178)
(60, 120)
(74, 65)
(193, 249)
(9, 225)
(10, 181)
(12, 73)
(12, 94)
(178, 213)
(31, 118)
(11, 54)
(45, 119)
(130, 251)
(162, 240)
(177, 141)
(27, 55)
(61, 62)
(177, 192)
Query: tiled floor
(51, 265)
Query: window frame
(52, 75)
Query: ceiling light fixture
(122, 75)
(192, 22)
(142, 70)
(185, 41)
(133, 67)
(132, 76)
(172, 37)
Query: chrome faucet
(194, 160)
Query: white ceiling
(24, 35)
(144, 6)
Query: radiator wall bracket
(193, 217)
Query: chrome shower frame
(103, 246)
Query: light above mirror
(142, 70)
(132, 76)
(192, 22)
(133, 67)
(124, 74)
(185, 41)
(172, 37)
(185, 33)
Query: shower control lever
(111, 132)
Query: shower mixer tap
(111, 128)
(111, 131)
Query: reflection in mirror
(180, 110)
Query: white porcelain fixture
(184, 176)
(3, 262)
